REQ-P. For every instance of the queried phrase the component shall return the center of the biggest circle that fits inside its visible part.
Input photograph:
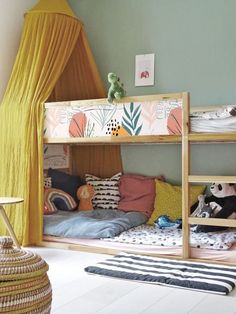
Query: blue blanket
(92, 224)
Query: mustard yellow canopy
(53, 6)
(54, 61)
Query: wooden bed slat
(208, 179)
(212, 137)
(116, 140)
(212, 222)
(104, 101)
(185, 173)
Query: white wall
(11, 24)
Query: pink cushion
(137, 193)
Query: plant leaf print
(78, 125)
(131, 118)
(102, 115)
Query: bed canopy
(54, 62)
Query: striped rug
(204, 277)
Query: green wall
(194, 42)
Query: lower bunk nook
(130, 212)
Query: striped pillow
(55, 199)
(106, 190)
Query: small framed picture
(144, 69)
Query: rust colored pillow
(137, 193)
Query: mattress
(151, 235)
(91, 224)
(216, 121)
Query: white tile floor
(76, 292)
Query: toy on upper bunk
(221, 204)
(116, 90)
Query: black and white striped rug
(219, 279)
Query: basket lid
(17, 264)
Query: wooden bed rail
(104, 101)
(66, 110)
(209, 179)
(108, 140)
(212, 222)
(187, 178)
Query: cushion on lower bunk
(106, 190)
(55, 199)
(65, 182)
(137, 193)
(168, 200)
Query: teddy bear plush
(85, 194)
(116, 90)
(220, 204)
(203, 209)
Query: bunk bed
(127, 122)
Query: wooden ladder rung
(208, 179)
(212, 137)
(212, 222)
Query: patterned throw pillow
(47, 182)
(65, 182)
(168, 200)
(106, 190)
(55, 199)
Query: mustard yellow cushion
(168, 200)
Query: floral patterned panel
(151, 235)
(69, 119)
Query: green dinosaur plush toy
(116, 90)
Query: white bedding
(150, 235)
(219, 121)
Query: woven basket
(24, 284)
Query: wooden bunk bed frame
(185, 139)
(187, 178)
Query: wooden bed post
(185, 176)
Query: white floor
(76, 292)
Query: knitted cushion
(107, 193)
(24, 284)
(55, 199)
